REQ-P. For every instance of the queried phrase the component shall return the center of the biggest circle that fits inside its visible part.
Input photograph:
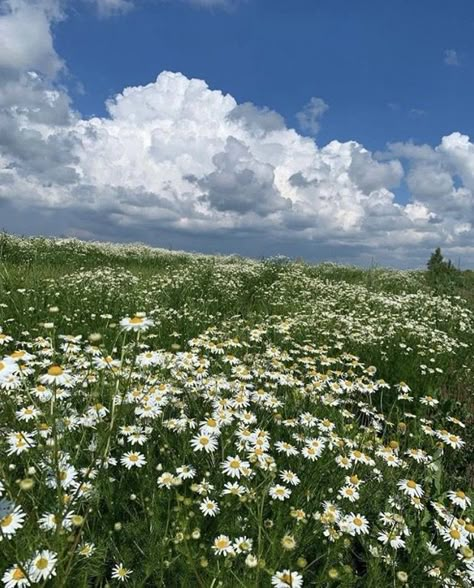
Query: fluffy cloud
(25, 36)
(309, 118)
(175, 162)
(112, 7)
(451, 57)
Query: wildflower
(357, 524)
(43, 565)
(279, 492)
(201, 442)
(119, 572)
(57, 376)
(166, 480)
(11, 522)
(234, 466)
(349, 492)
(242, 544)
(133, 459)
(455, 535)
(14, 577)
(222, 545)
(136, 323)
(288, 542)
(411, 488)
(251, 561)
(286, 579)
(395, 540)
(459, 498)
(290, 477)
(209, 508)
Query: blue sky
(327, 129)
(379, 65)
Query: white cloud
(107, 8)
(451, 57)
(25, 36)
(309, 118)
(176, 160)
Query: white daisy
(133, 459)
(287, 579)
(42, 565)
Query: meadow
(172, 419)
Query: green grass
(383, 356)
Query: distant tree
(442, 274)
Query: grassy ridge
(372, 362)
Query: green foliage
(372, 361)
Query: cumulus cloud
(309, 118)
(175, 161)
(106, 8)
(451, 57)
(26, 41)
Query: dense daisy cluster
(222, 426)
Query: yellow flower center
(222, 543)
(286, 578)
(42, 563)
(455, 534)
(133, 457)
(204, 441)
(136, 320)
(349, 491)
(453, 439)
(354, 479)
(55, 370)
(359, 522)
(18, 574)
(357, 454)
(211, 422)
(17, 354)
(411, 484)
(235, 463)
(2, 365)
(460, 494)
(470, 528)
(6, 521)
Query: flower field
(181, 420)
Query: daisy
(133, 459)
(233, 488)
(286, 448)
(58, 376)
(343, 462)
(11, 522)
(222, 545)
(350, 493)
(209, 508)
(290, 477)
(411, 488)
(286, 579)
(119, 572)
(86, 549)
(7, 367)
(459, 498)
(279, 492)
(42, 565)
(20, 442)
(166, 480)
(27, 413)
(395, 540)
(201, 442)
(455, 535)
(137, 323)
(357, 524)
(186, 472)
(14, 577)
(243, 544)
(234, 466)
